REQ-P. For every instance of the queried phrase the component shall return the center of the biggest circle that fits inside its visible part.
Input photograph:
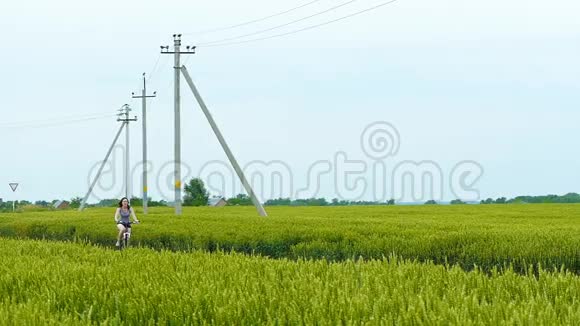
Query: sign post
(13, 186)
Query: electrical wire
(59, 123)
(279, 26)
(148, 77)
(251, 21)
(162, 87)
(303, 29)
(54, 119)
(153, 71)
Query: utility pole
(84, 202)
(182, 70)
(143, 98)
(124, 111)
(177, 105)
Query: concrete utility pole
(124, 111)
(84, 202)
(179, 69)
(143, 98)
(177, 104)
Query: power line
(153, 71)
(55, 119)
(60, 123)
(154, 67)
(163, 85)
(305, 28)
(252, 21)
(279, 26)
(164, 64)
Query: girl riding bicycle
(122, 218)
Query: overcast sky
(494, 82)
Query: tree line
(196, 194)
(548, 199)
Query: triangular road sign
(13, 185)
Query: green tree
(195, 193)
(240, 200)
(431, 202)
(154, 203)
(501, 200)
(108, 203)
(309, 202)
(75, 202)
(457, 202)
(42, 203)
(136, 201)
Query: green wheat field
(432, 265)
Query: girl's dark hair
(121, 202)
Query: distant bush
(36, 208)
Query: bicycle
(126, 235)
